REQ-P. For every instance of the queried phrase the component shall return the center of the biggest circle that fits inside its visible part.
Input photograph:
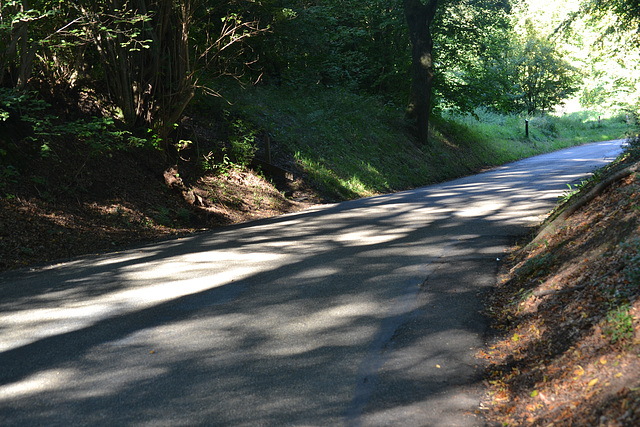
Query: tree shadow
(362, 312)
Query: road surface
(364, 313)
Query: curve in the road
(360, 313)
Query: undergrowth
(352, 145)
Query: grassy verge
(505, 140)
(352, 146)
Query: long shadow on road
(362, 313)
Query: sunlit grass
(353, 146)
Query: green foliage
(604, 41)
(482, 61)
(531, 76)
(242, 141)
(8, 174)
(30, 130)
(347, 143)
(568, 194)
(98, 133)
(631, 117)
(144, 52)
(163, 216)
(355, 145)
(25, 124)
(22, 103)
(579, 188)
(545, 124)
(544, 78)
(537, 266)
(151, 70)
(358, 45)
(627, 13)
(501, 138)
(210, 164)
(619, 324)
(151, 140)
(468, 35)
(633, 147)
(24, 28)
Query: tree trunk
(419, 17)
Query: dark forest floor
(56, 210)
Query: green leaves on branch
(150, 54)
(354, 44)
(626, 14)
(545, 79)
(27, 113)
(530, 76)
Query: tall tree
(544, 78)
(419, 18)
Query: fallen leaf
(603, 360)
(500, 396)
(592, 383)
(579, 371)
(544, 398)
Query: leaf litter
(566, 314)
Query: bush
(544, 124)
(243, 142)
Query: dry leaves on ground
(567, 314)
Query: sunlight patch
(371, 237)
(36, 383)
(480, 209)
(28, 326)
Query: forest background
(129, 119)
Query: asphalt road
(360, 313)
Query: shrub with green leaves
(618, 326)
(243, 142)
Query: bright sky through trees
(609, 64)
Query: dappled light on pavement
(359, 313)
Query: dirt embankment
(567, 315)
(77, 205)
